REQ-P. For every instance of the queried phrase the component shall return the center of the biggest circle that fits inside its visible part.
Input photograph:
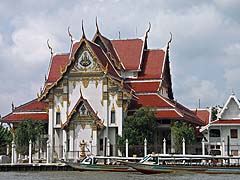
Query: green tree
(5, 138)
(27, 130)
(137, 127)
(182, 130)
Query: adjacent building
(222, 134)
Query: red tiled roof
(160, 103)
(74, 48)
(228, 121)
(167, 114)
(59, 60)
(20, 117)
(203, 114)
(33, 110)
(110, 48)
(103, 58)
(152, 67)
(129, 52)
(32, 106)
(144, 86)
(154, 101)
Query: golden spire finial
(97, 25)
(83, 32)
(70, 35)
(106, 68)
(51, 49)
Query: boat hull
(154, 169)
(102, 167)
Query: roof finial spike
(170, 40)
(70, 35)
(146, 36)
(13, 107)
(97, 25)
(51, 49)
(149, 28)
(83, 33)
(233, 93)
(45, 77)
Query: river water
(76, 175)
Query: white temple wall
(93, 94)
(82, 134)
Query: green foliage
(26, 130)
(214, 112)
(5, 138)
(5, 135)
(137, 127)
(182, 130)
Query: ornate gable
(83, 113)
(231, 109)
(85, 60)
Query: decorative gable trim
(225, 107)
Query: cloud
(192, 89)
(204, 52)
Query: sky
(204, 53)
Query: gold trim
(85, 83)
(113, 108)
(96, 83)
(58, 109)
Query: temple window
(234, 133)
(101, 144)
(214, 133)
(58, 115)
(83, 111)
(112, 116)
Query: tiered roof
(119, 57)
(33, 110)
(166, 108)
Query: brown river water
(76, 175)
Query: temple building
(91, 89)
(222, 133)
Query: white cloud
(192, 89)
(204, 47)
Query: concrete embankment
(35, 167)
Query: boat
(90, 163)
(167, 163)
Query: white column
(164, 146)
(145, 147)
(48, 152)
(183, 146)
(7, 149)
(126, 147)
(223, 148)
(203, 146)
(94, 142)
(50, 134)
(30, 152)
(13, 159)
(108, 147)
(64, 145)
